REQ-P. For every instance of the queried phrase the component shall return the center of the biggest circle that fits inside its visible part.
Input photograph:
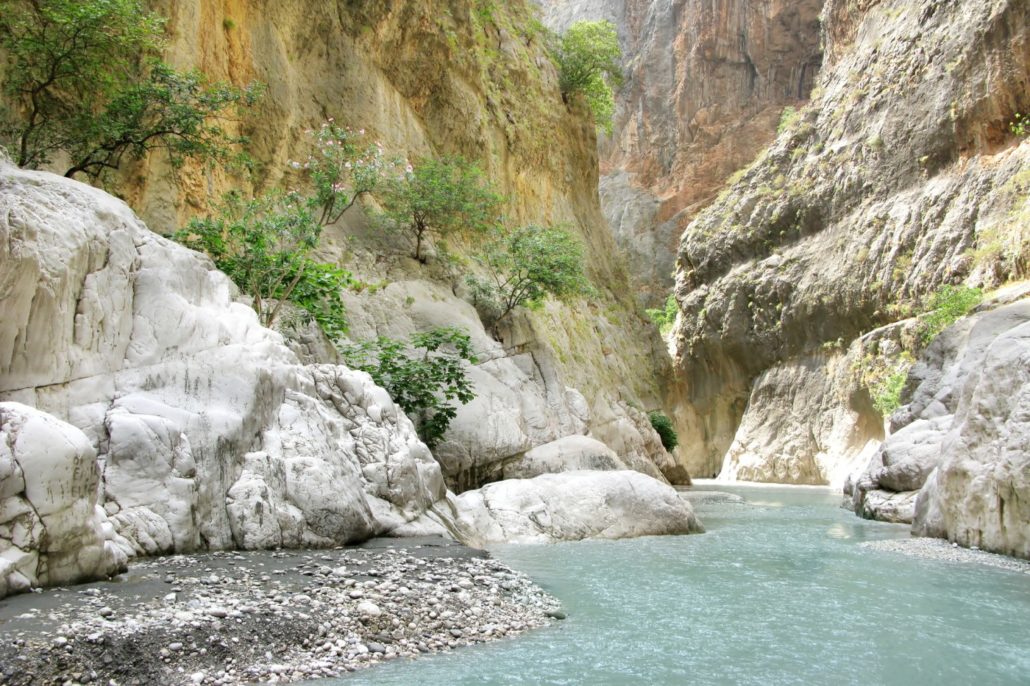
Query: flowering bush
(342, 169)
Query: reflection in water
(774, 594)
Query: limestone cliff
(432, 77)
(901, 175)
(706, 85)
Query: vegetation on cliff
(588, 58)
(84, 80)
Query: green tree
(342, 170)
(664, 318)
(84, 77)
(439, 197)
(663, 426)
(424, 375)
(588, 57)
(526, 265)
(264, 245)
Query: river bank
(233, 618)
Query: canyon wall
(901, 175)
(428, 77)
(706, 85)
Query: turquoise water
(777, 592)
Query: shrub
(85, 78)
(947, 305)
(524, 267)
(664, 318)
(588, 57)
(263, 245)
(884, 375)
(1020, 125)
(423, 375)
(342, 170)
(663, 425)
(787, 119)
(439, 197)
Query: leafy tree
(439, 197)
(84, 77)
(589, 58)
(947, 305)
(525, 266)
(663, 425)
(264, 245)
(342, 170)
(664, 318)
(423, 375)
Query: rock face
(619, 504)
(706, 85)
(430, 77)
(900, 176)
(207, 430)
(956, 464)
(52, 530)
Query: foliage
(342, 170)
(946, 305)
(588, 57)
(84, 77)
(1020, 125)
(423, 375)
(663, 425)
(664, 318)
(263, 245)
(439, 197)
(526, 265)
(884, 376)
(787, 119)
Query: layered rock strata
(900, 176)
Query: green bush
(263, 245)
(588, 57)
(1020, 125)
(525, 266)
(947, 305)
(886, 392)
(423, 375)
(787, 119)
(665, 317)
(85, 78)
(439, 197)
(663, 425)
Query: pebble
(310, 616)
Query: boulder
(208, 430)
(572, 506)
(51, 529)
(572, 453)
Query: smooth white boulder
(208, 430)
(572, 453)
(572, 506)
(51, 529)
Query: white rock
(573, 506)
(369, 609)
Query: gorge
(833, 196)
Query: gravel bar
(269, 617)
(939, 549)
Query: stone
(49, 484)
(572, 506)
(572, 453)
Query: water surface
(778, 591)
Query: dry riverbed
(271, 617)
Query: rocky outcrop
(52, 531)
(207, 431)
(429, 77)
(706, 85)
(618, 504)
(901, 175)
(955, 464)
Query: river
(780, 590)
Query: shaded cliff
(900, 176)
(706, 85)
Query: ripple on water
(792, 590)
